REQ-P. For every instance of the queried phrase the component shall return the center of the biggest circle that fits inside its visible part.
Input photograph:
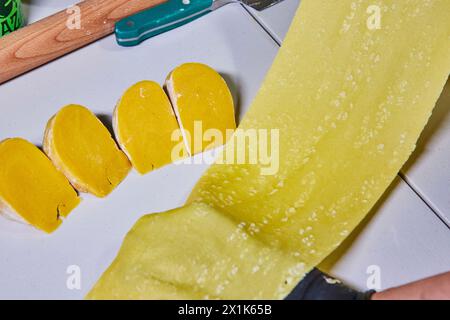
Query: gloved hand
(317, 285)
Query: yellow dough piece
(31, 189)
(165, 254)
(350, 91)
(143, 123)
(202, 101)
(82, 148)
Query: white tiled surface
(428, 170)
(402, 235)
(277, 19)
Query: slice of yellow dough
(350, 101)
(32, 190)
(144, 123)
(202, 101)
(193, 253)
(82, 148)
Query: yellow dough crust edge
(50, 151)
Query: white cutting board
(401, 236)
(32, 264)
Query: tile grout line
(430, 206)
(262, 25)
(403, 177)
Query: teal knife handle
(151, 22)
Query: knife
(171, 14)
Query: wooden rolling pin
(54, 36)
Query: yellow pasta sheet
(350, 91)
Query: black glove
(317, 285)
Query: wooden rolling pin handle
(63, 32)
